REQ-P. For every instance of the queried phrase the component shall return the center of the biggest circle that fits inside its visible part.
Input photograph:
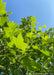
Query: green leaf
(12, 60)
(9, 12)
(3, 20)
(47, 53)
(11, 29)
(20, 43)
(35, 46)
(33, 19)
(2, 8)
(39, 28)
(44, 26)
(2, 67)
(37, 22)
(33, 25)
(1, 2)
(13, 52)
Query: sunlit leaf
(44, 26)
(33, 19)
(39, 28)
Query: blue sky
(43, 10)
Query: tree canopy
(24, 48)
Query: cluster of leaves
(23, 48)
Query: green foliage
(23, 48)
(2, 8)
